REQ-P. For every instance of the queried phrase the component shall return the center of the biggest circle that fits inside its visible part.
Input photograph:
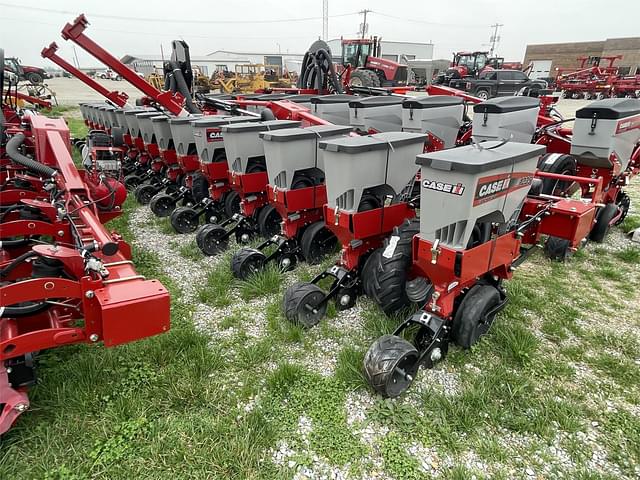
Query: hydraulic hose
(23, 310)
(13, 146)
(183, 88)
(17, 261)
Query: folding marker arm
(118, 98)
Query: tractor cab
(12, 64)
(355, 52)
(469, 64)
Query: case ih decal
(628, 124)
(214, 134)
(490, 188)
(457, 189)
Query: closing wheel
(317, 241)
(368, 271)
(624, 202)
(557, 248)
(390, 365)
(231, 203)
(603, 221)
(303, 304)
(162, 204)
(246, 262)
(473, 318)
(184, 220)
(132, 181)
(269, 221)
(212, 239)
(144, 193)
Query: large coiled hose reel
(318, 71)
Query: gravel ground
(71, 91)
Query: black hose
(12, 150)
(17, 261)
(9, 209)
(22, 242)
(183, 88)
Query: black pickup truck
(498, 83)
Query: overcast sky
(218, 25)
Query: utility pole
(364, 28)
(495, 38)
(325, 20)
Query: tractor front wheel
(364, 78)
(390, 365)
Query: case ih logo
(214, 134)
(457, 189)
(628, 124)
(495, 186)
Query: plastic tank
(506, 118)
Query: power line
(169, 20)
(426, 22)
(494, 39)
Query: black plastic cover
(327, 99)
(378, 141)
(610, 108)
(433, 101)
(471, 159)
(369, 102)
(506, 104)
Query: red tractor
(35, 75)
(364, 66)
(470, 64)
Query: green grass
(264, 282)
(217, 289)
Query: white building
(288, 61)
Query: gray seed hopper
(462, 185)
(243, 144)
(146, 126)
(506, 118)
(382, 114)
(207, 132)
(380, 161)
(293, 150)
(439, 115)
(162, 131)
(182, 134)
(332, 108)
(605, 127)
(132, 120)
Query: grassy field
(236, 392)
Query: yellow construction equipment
(249, 78)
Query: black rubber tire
(317, 242)
(35, 78)
(624, 203)
(144, 193)
(247, 262)
(365, 78)
(301, 181)
(162, 204)
(269, 221)
(554, 163)
(603, 222)
(469, 323)
(184, 220)
(384, 356)
(231, 203)
(368, 272)
(212, 239)
(389, 278)
(368, 202)
(132, 181)
(296, 297)
(199, 187)
(557, 248)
